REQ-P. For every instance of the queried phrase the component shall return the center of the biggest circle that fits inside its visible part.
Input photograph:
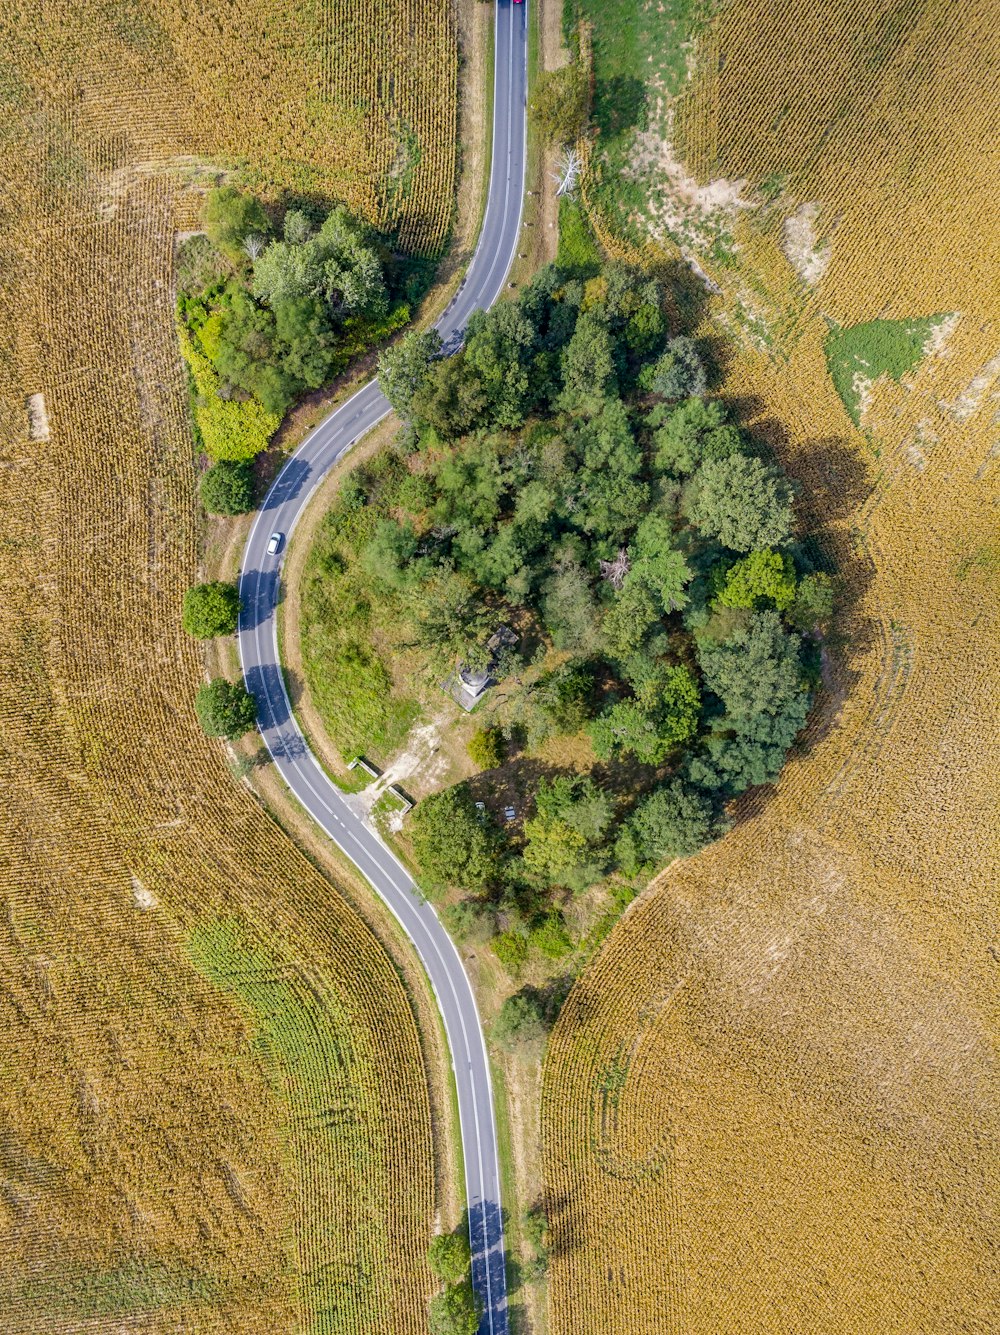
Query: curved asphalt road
(258, 644)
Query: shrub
(211, 609)
(457, 1311)
(486, 748)
(227, 488)
(471, 919)
(535, 1228)
(560, 103)
(511, 949)
(551, 938)
(521, 1020)
(449, 1256)
(225, 708)
(233, 429)
(230, 216)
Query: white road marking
(287, 745)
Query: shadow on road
(265, 685)
(261, 592)
(488, 1259)
(291, 481)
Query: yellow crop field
(770, 1104)
(213, 1089)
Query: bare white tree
(567, 172)
(253, 244)
(615, 571)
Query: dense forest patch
(273, 304)
(564, 475)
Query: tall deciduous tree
(678, 373)
(225, 708)
(692, 433)
(674, 821)
(756, 671)
(211, 609)
(651, 725)
(454, 842)
(743, 502)
(588, 366)
(449, 1256)
(456, 1311)
(338, 264)
(762, 577)
(403, 368)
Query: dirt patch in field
(808, 257)
(680, 206)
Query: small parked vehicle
(274, 543)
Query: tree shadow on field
(565, 1216)
(621, 103)
(687, 301)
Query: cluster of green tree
(224, 708)
(455, 1310)
(564, 471)
(267, 314)
(535, 1230)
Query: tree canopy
(225, 708)
(230, 216)
(522, 1019)
(678, 373)
(456, 1311)
(403, 368)
(284, 316)
(337, 266)
(454, 842)
(674, 821)
(227, 488)
(743, 502)
(449, 1256)
(211, 609)
(566, 473)
(560, 101)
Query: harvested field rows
(770, 1104)
(231, 1137)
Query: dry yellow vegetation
(771, 1104)
(214, 1100)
